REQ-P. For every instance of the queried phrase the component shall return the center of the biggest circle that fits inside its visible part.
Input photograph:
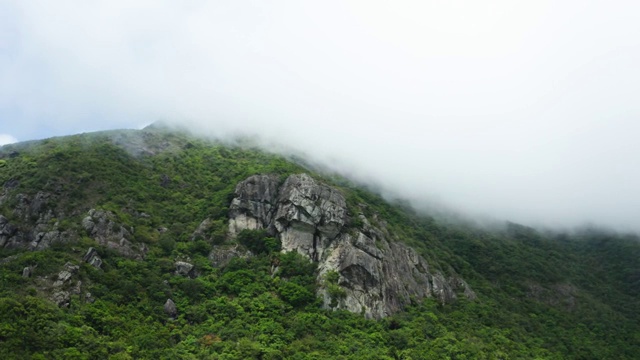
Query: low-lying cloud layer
(527, 112)
(7, 139)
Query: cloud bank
(526, 112)
(7, 139)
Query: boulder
(183, 268)
(170, 309)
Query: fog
(526, 111)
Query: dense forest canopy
(539, 294)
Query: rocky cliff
(41, 226)
(36, 227)
(361, 268)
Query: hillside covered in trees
(118, 245)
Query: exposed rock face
(38, 227)
(9, 236)
(42, 230)
(102, 227)
(309, 216)
(252, 206)
(379, 276)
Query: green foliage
(294, 294)
(166, 243)
(258, 242)
(336, 292)
(546, 296)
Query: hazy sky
(528, 111)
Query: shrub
(258, 242)
(295, 294)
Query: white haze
(7, 139)
(527, 111)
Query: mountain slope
(98, 231)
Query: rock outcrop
(9, 234)
(184, 268)
(92, 258)
(39, 227)
(102, 226)
(378, 275)
(62, 289)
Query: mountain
(156, 243)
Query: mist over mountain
(318, 180)
(524, 112)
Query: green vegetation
(545, 296)
(258, 242)
(331, 284)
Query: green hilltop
(67, 294)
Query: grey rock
(378, 274)
(11, 183)
(105, 230)
(61, 298)
(10, 236)
(77, 289)
(170, 309)
(252, 205)
(39, 203)
(38, 231)
(26, 272)
(89, 298)
(183, 268)
(22, 207)
(92, 258)
(66, 274)
(44, 239)
(309, 215)
(201, 230)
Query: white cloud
(7, 139)
(520, 110)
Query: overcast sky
(528, 111)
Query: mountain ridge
(126, 220)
